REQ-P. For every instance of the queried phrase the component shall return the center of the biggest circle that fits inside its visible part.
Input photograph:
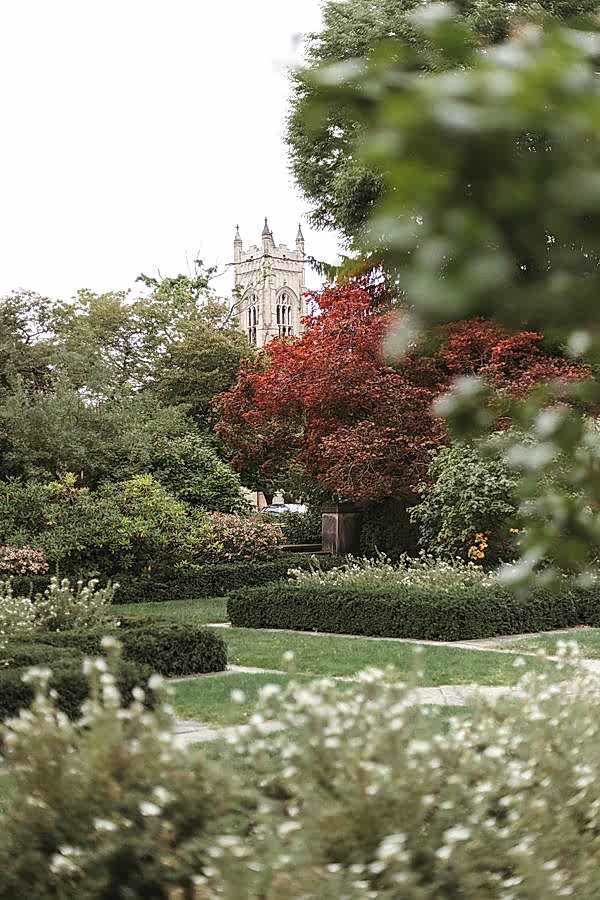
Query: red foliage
(360, 427)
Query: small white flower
(457, 833)
(104, 825)
(150, 809)
(238, 696)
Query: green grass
(208, 609)
(331, 655)
(208, 699)
(588, 640)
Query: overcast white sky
(135, 132)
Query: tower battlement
(269, 283)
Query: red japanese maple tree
(330, 403)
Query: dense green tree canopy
(489, 207)
(116, 385)
(342, 188)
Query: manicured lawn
(588, 640)
(332, 655)
(209, 699)
(207, 609)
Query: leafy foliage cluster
(331, 406)
(128, 527)
(343, 187)
(104, 401)
(467, 494)
(485, 206)
(361, 793)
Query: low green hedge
(209, 581)
(214, 580)
(169, 648)
(451, 615)
(67, 677)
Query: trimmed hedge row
(67, 678)
(169, 648)
(450, 615)
(209, 581)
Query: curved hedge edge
(70, 684)
(170, 648)
(415, 614)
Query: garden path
(190, 731)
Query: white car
(277, 509)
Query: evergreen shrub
(213, 580)
(67, 678)
(386, 528)
(424, 613)
(169, 648)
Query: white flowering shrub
(424, 571)
(361, 798)
(17, 614)
(105, 806)
(61, 607)
(359, 794)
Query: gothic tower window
(252, 320)
(284, 316)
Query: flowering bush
(421, 572)
(364, 797)
(59, 608)
(106, 805)
(360, 794)
(222, 537)
(17, 614)
(22, 561)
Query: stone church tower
(269, 285)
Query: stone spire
(237, 245)
(267, 237)
(300, 239)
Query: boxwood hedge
(209, 581)
(165, 647)
(448, 615)
(67, 677)
(170, 648)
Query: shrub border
(417, 614)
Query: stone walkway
(190, 731)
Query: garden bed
(421, 614)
